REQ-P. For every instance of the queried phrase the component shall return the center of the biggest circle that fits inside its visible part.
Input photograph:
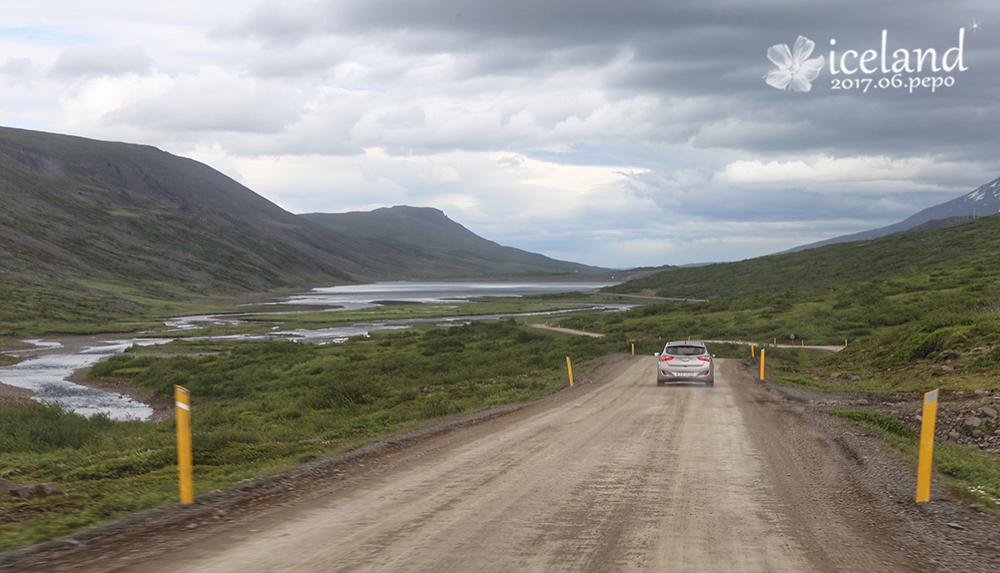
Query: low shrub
(42, 427)
(879, 422)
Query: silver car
(685, 362)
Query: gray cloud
(711, 53)
(17, 67)
(87, 60)
(277, 22)
(672, 89)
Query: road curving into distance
(615, 474)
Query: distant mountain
(420, 241)
(92, 229)
(74, 208)
(979, 203)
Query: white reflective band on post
(931, 397)
(182, 405)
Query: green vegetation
(262, 407)
(970, 474)
(879, 422)
(110, 468)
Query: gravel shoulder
(614, 474)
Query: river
(46, 368)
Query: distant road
(613, 475)
(748, 343)
(648, 297)
(597, 335)
(567, 330)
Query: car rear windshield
(684, 350)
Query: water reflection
(353, 297)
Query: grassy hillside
(920, 310)
(99, 236)
(426, 243)
(967, 252)
(93, 232)
(73, 206)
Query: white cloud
(82, 109)
(506, 197)
(212, 100)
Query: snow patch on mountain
(981, 202)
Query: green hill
(967, 252)
(424, 242)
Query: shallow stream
(47, 372)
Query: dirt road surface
(614, 475)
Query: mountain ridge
(980, 202)
(442, 244)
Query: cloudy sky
(618, 134)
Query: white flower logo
(794, 70)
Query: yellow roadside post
(569, 367)
(752, 352)
(926, 446)
(633, 349)
(182, 401)
(761, 363)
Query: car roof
(686, 343)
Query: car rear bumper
(684, 376)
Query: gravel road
(614, 475)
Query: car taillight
(705, 358)
(666, 357)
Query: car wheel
(659, 382)
(710, 383)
